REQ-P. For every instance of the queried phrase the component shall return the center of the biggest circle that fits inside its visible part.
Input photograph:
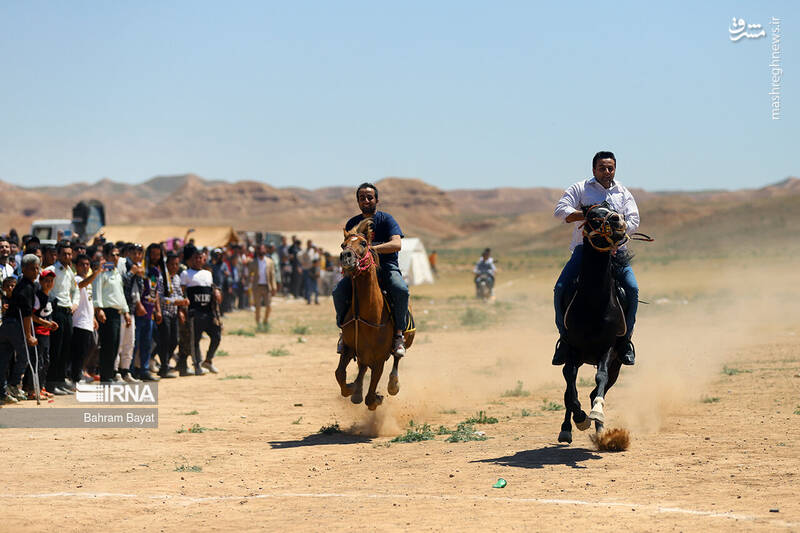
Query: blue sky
(459, 94)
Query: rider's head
(604, 165)
(486, 253)
(367, 196)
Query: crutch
(195, 358)
(35, 366)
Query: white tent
(414, 262)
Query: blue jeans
(391, 280)
(144, 341)
(570, 273)
(310, 286)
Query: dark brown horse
(368, 327)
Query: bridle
(606, 232)
(363, 265)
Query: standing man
(306, 259)
(111, 309)
(17, 330)
(598, 189)
(386, 242)
(199, 288)
(262, 282)
(6, 269)
(65, 297)
(83, 319)
(171, 299)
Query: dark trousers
(204, 322)
(570, 273)
(167, 340)
(60, 346)
(43, 352)
(310, 286)
(12, 343)
(108, 334)
(82, 343)
(391, 280)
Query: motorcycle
(483, 286)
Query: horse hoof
(394, 384)
(374, 405)
(598, 427)
(356, 397)
(597, 416)
(565, 436)
(584, 424)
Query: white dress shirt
(589, 192)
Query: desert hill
(506, 218)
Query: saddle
(410, 325)
(572, 289)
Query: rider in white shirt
(600, 188)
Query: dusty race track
(711, 450)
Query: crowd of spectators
(104, 311)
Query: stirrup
(340, 345)
(398, 345)
(560, 355)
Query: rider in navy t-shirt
(386, 242)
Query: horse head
(357, 255)
(604, 228)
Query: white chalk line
(188, 500)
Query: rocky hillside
(510, 218)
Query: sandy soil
(710, 450)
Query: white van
(47, 230)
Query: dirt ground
(713, 406)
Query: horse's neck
(369, 295)
(595, 278)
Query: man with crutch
(16, 332)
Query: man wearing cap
(198, 287)
(111, 309)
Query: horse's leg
(394, 383)
(598, 394)
(341, 375)
(373, 399)
(613, 374)
(570, 372)
(358, 384)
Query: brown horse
(368, 327)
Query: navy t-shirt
(385, 226)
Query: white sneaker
(210, 366)
(200, 371)
(130, 379)
(118, 378)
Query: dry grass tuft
(612, 440)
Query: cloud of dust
(682, 345)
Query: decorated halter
(365, 262)
(609, 232)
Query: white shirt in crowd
(83, 316)
(6, 271)
(262, 271)
(588, 193)
(307, 258)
